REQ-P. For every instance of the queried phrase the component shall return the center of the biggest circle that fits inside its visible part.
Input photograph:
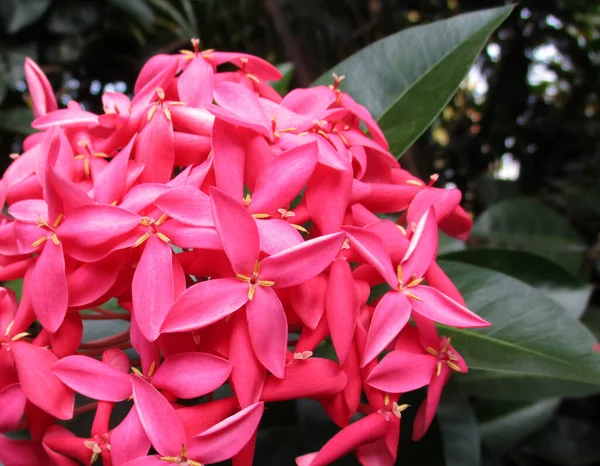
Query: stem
(98, 351)
(106, 341)
(85, 408)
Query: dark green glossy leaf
(73, 18)
(526, 224)
(283, 85)
(534, 349)
(504, 424)
(406, 79)
(544, 275)
(458, 425)
(17, 14)
(447, 244)
(16, 286)
(137, 9)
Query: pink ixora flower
(206, 235)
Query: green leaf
(406, 79)
(16, 286)
(551, 279)
(17, 120)
(17, 14)
(186, 30)
(504, 424)
(283, 85)
(137, 9)
(534, 348)
(447, 244)
(458, 425)
(526, 224)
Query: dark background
(526, 121)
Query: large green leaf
(283, 85)
(534, 349)
(137, 9)
(17, 14)
(526, 224)
(504, 424)
(458, 425)
(17, 120)
(406, 79)
(570, 292)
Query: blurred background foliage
(525, 122)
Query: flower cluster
(238, 232)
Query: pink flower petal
(372, 249)
(341, 307)
(190, 375)
(93, 378)
(243, 103)
(38, 382)
(195, 84)
(327, 196)
(237, 230)
(277, 235)
(110, 183)
(390, 317)
(21, 452)
(364, 431)
(128, 440)
(187, 204)
(281, 181)
(93, 225)
(428, 408)
(422, 249)
(438, 307)
(40, 90)
(12, 400)
(308, 300)
(268, 329)
(65, 341)
(228, 437)
(400, 372)
(157, 416)
(229, 159)
(51, 296)
(303, 262)
(205, 303)
(90, 282)
(155, 149)
(248, 374)
(313, 377)
(152, 287)
(157, 72)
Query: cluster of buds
(238, 231)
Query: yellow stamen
(415, 182)
(9, 328)
(247, 200)
(79, 157)
(163, 237)
(161, 219)
(304, 355)
(397, 409)
(261, 215)
(323, 133)
(151, 112)
(410, 295)
(266, 283)
(256, 267)
(42, 222)
(160, 93)
(18, 336)
(446, 345)
(39, 241)
(242, 277)
(167, 113)
(415, 282)
(146, 221)
(253, 78)
(386, 399)
(251, 292)
(430, 350)
(343, 138)
(86, 167)
(453, 366)
(439, 368)
(58, 220)
(299, 228)
(287, 130)
(136, 371)
(399, 273)
(141, 239)
(55, 239)
(402, 229)
(100, 155)
(152, 367)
